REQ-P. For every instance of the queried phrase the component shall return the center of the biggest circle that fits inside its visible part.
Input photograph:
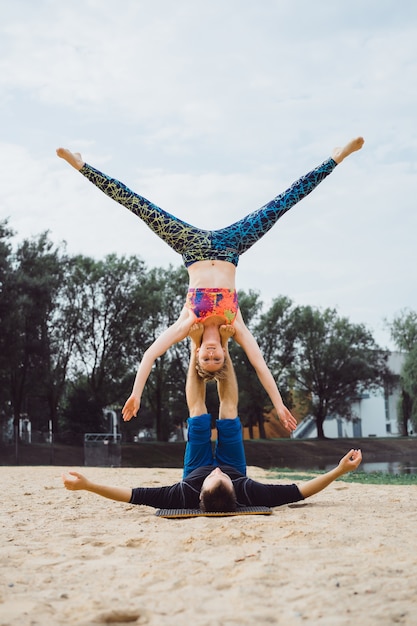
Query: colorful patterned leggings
(195, 244)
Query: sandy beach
(346, 556)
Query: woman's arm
(173, 334)
(249, 344)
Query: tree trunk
(261, 424)
(319, 425)
(407, 405)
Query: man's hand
(75, 481)
(130, 408)
(350, 461)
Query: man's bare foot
(352, 146)
(226, 331)
(73, 158)
(196, 333)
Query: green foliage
(404, 333)
(83, 414)
(74, 330)
(334, 361)
(29, 293)
(404, 330)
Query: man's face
(215, 478)
(210, 356)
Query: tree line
(73, 330)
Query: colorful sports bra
(207, 302)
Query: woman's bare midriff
(211, 274)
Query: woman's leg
(177, 234)
(241, 235)
(244, 233)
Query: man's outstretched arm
(348, 463)
(77, 482)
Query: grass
(367, 478)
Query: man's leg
(198, 451)
(227, 387)
(229, 447)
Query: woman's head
(210, 357)
(208, 376)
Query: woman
(211, 258)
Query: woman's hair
(220, 499)
(207, 376)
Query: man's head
(217, 493)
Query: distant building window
(388, 427)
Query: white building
(375, 413)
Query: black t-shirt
(186, 494)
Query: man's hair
(220, 374)
(221, 499)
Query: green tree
(81, 414)
(33, 331)
(164, 295)
(7, 308)
(277, 334)
(334, 362)
(106, 294)
(32, 287)
(409, 382)
(404, 334)
(63, 328)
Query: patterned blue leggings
(195, 244)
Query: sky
(211, 109)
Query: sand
(346, 556)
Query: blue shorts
(228, 450)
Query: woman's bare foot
(352, 146)
(73, 158)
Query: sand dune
(346, 556)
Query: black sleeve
(158, 497)
(259, 494)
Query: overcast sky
(210, 109)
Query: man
(215, 482)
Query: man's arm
(249, 344)
(77, 482)
(348, 463)
(173, 334)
